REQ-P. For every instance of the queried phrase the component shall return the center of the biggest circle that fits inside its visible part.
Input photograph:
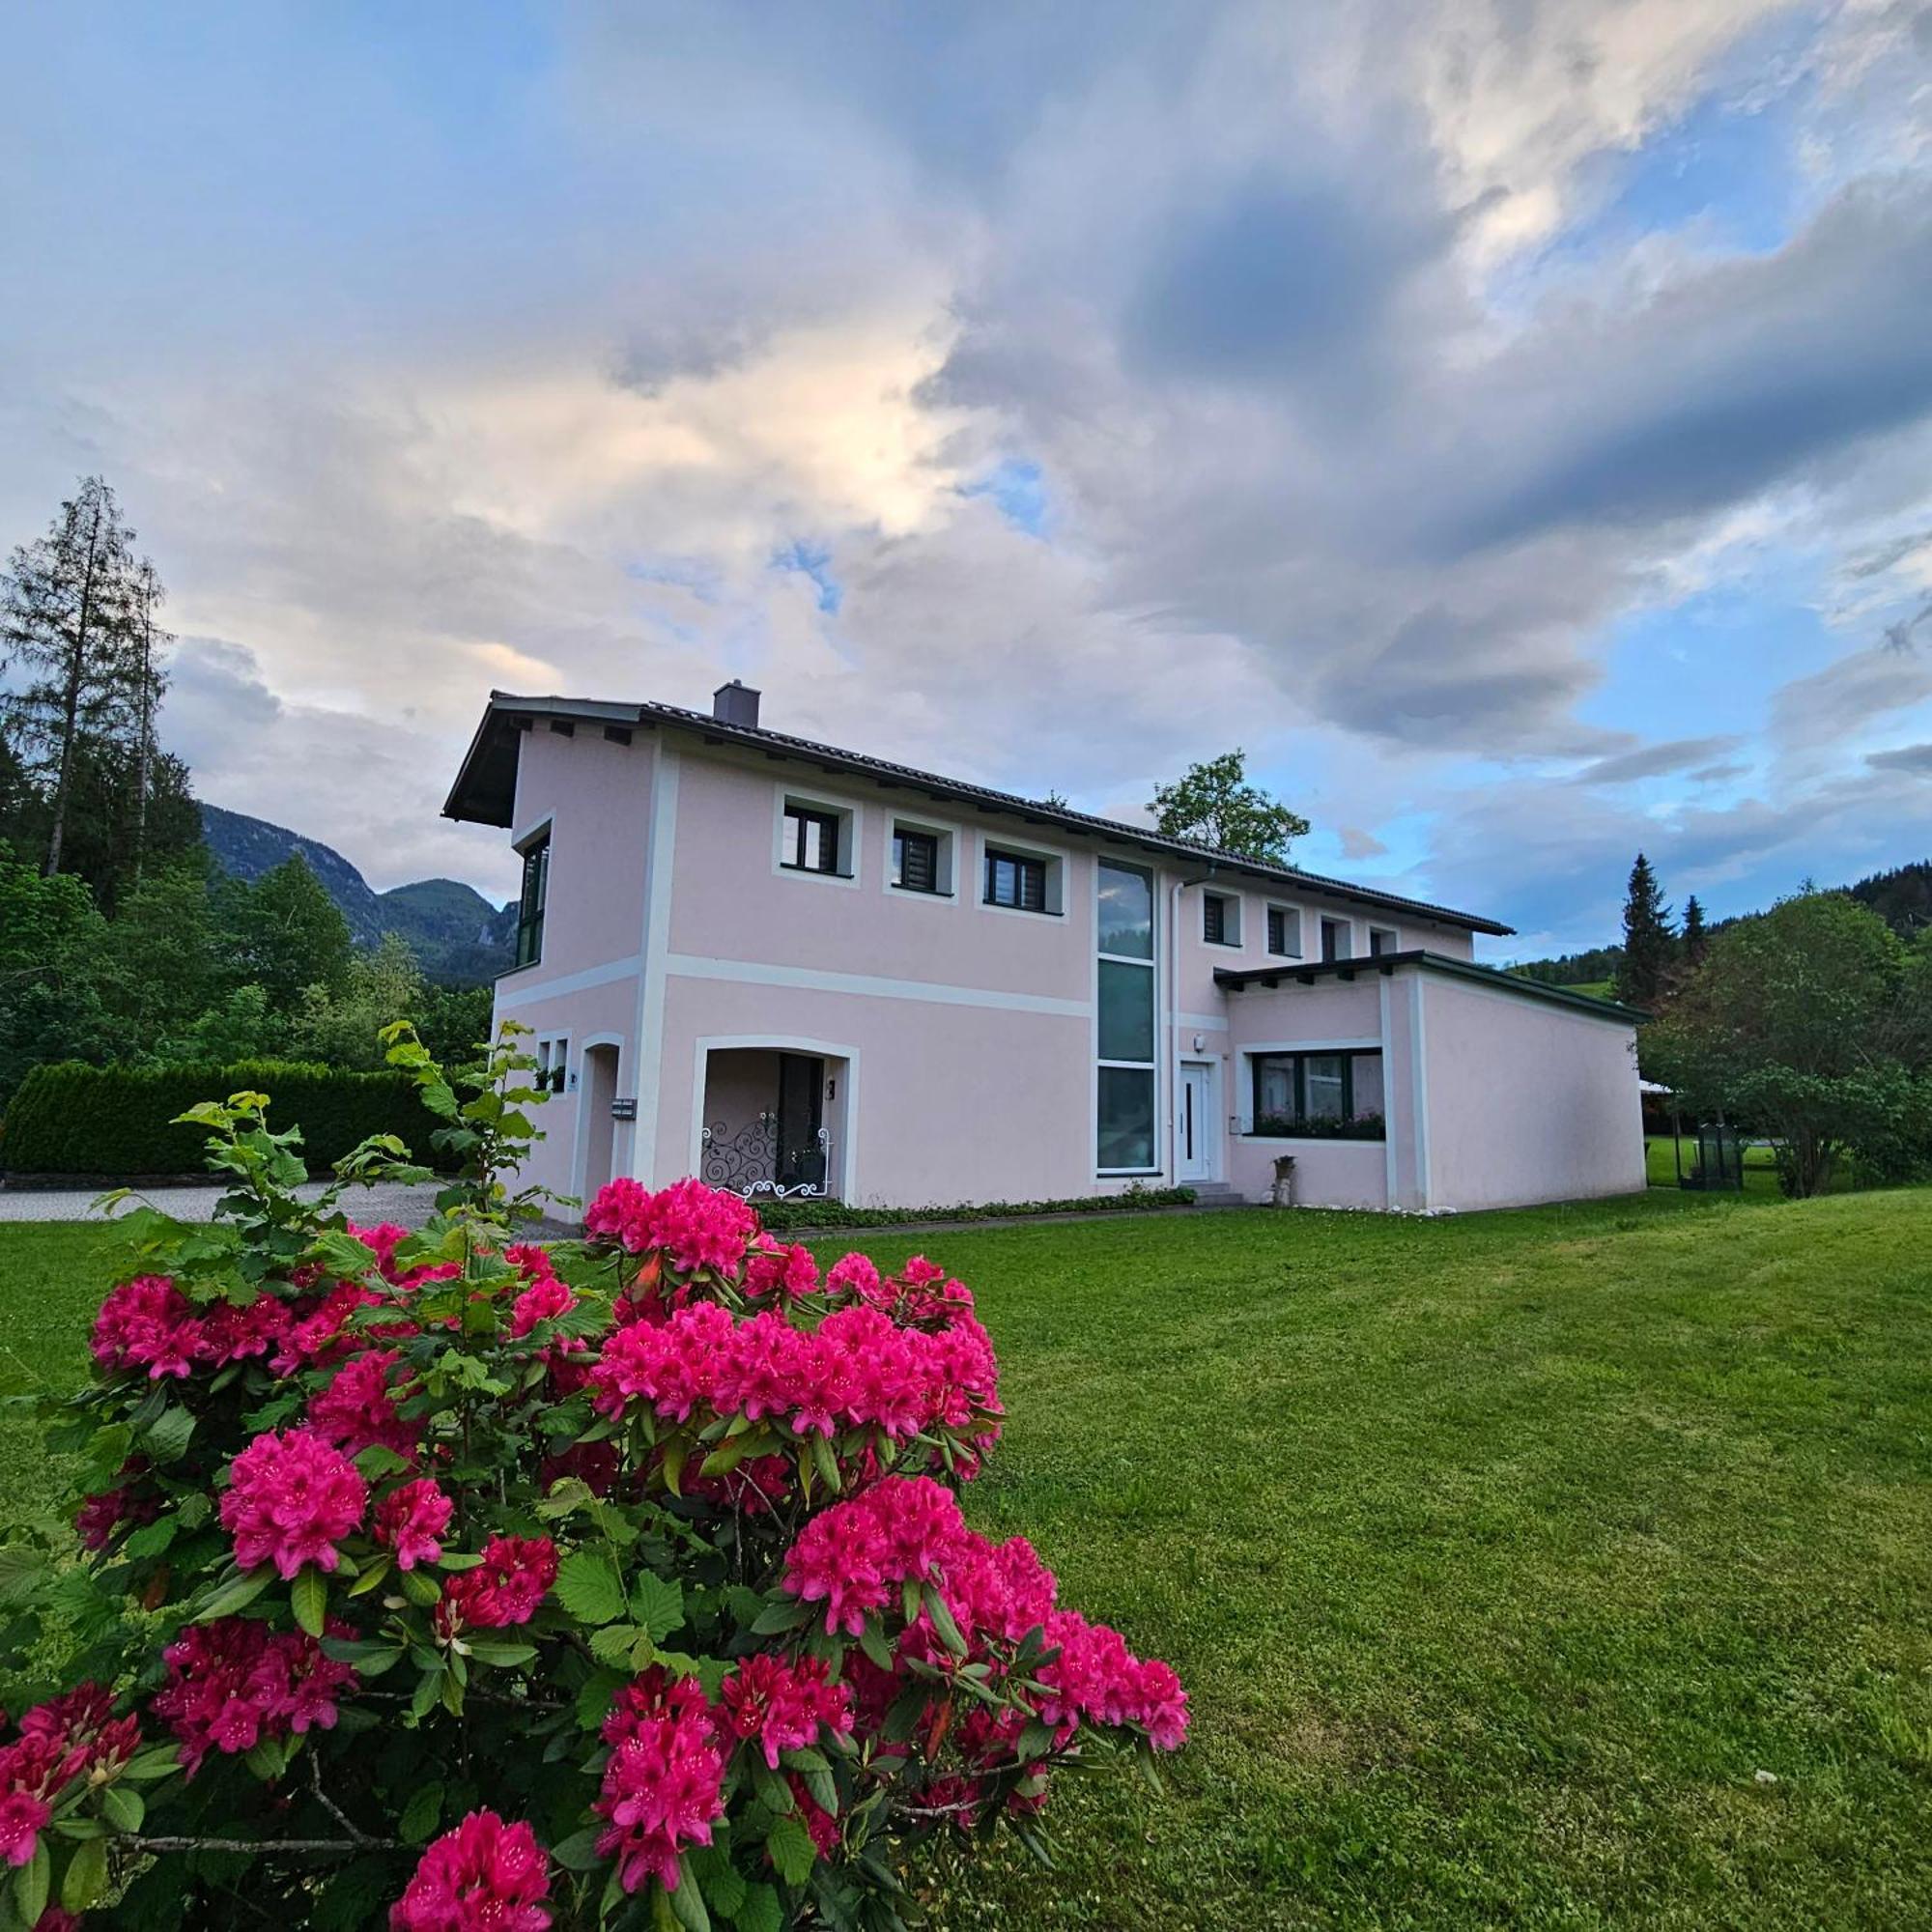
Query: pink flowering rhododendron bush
(450, 1579)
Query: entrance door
(593, 1111)
(1195, 1126)
(799, 1161)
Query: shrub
(621, 1583)
(121, 1122)
(827, 1214)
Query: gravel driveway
(410, 1206)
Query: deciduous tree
(1213, 804)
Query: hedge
(782, 1217)
(112, 1123)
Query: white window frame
(1300, 918)
(1347, 926)
(1388, 933)
(952, 843)
(1231, 919)
(1054, 857)
(552, 1056)
(849, 813)
(1153, 1067)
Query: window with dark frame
(915, 860)
(1278, 935)
(1381, 940)
(1334, 938)
(1012, 879)
(810, 840)
(1213, 919)
(531, 902)
(1327, 1095)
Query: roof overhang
(486, 785)
(1305, 973)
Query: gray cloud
(1914, 758)
(1651, 762)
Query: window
(1337, 939)
(552, 1063)
(1014, 880)
(810, 840)
(1220, 919)
(1326, 1096)
(915, 860)
(1285, 931)
(1381, 939)
(531, 900)
(1123, 1093)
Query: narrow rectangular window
(1285, 933)
(1214, 918)
(1381, 940)
(810, 840)
(916, 861)
(1016, 881)
(1125, 1091)
(1335, 939)
(531, 900)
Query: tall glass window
(1124, 1085)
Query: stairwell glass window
(1015, 880)
(530, 899)
(810, 840)
(1125, 1029)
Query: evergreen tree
(52, 941)
(289, 934)
(163, 963)
(1695, 937)
(68, 623)
(1649, 943)
(1213, 803)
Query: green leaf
(786, 1614)
(593, 1701)
(123, 1806)
(872, 1641)
(420, 1813)
(657, 1602)
(30, 1885)
(166, 1437)
(724, 1883)
(420, 1590)
(578, 1850)
(760, 1911)
(686, 1902)
(429, 1686)
(152, 1538)
(236, 1595)
(828, 1463)
(622, 1646)
(155, 1762)
(22, 1570)
(503, 1655)
(941, 1621)
(308, 1596)
(587, 1586)
(86, 1875)
(792, 1851)
(379, 1459)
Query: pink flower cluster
(505, 1588)
(149, 1324)
(291, 1498)
(664, 1785)
(788, 1272)
(857, 1369)
(73, 1735)
(854, 1557)
(358, 1411)
(782, 1705)
(546, 1298)
(695, 1226)
(233, 1683)
(485, 1876)
(920, 1296)
(410, 1521)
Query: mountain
(459, 937)
(1901, 897)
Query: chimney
(735, 703)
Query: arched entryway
(596, 1128)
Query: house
(787, 967)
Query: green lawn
(1501, 1555)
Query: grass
(1501, 1555)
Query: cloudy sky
(1510, 420)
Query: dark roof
(485, 789)
(1304, 972)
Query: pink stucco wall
(1526, 1102)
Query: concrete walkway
(409, 1206)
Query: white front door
(1194, 1129)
